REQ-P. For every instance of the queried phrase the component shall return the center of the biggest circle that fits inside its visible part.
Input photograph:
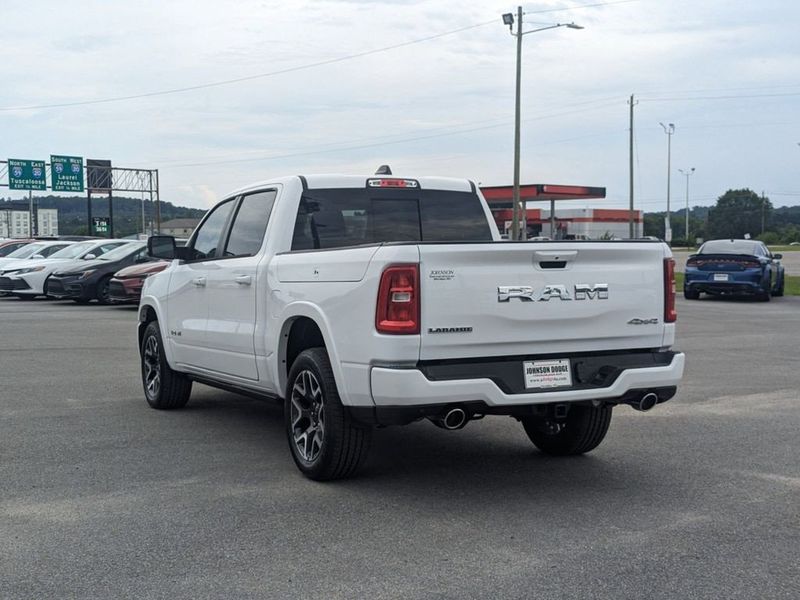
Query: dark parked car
(733, 267)
(90, 281)
(126, 285)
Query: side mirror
(90, 256)
(37, 256)
(777, 256)
(161, 246)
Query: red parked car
(126, 285)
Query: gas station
(559, 224)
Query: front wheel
(103, 291)
(581, 431)
(325, 442)
(164, 388)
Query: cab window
(250, 224)
(207, 236)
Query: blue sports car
(732, 267)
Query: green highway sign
(66, 173)
(99, 225)
(26, 174)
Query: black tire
(45, 287)
(691, 294)
(81, 300)
(25, 297)
(337, 446)
(778, 292)
(582, 430)
(102, 290)
(164, 388)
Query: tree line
(735, 214)
(72, 217)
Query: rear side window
(335, 218)
(250, 224)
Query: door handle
(199, 281)
(243, 279)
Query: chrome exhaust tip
(646, 402)
(451, 419)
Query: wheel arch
(149, 312)
(305, 327)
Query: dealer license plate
(547, 373)
(720, 277)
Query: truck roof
(325, 181)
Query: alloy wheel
(307, 416)
(152, 367)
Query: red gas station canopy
(500, 196)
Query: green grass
(791, 285)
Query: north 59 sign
(26, 174)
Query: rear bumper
(409, 388)
(745, 282)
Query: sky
(343, 86)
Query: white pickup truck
(381, 300)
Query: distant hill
(72, 218)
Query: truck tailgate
(505, 299)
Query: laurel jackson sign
(26, 174)
(66, 173)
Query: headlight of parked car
(30, 270)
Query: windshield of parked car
(729, 247)
(73, 250)
(26, 251)
(122, 252)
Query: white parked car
(379, 300)
(28, 278)
(34, 251)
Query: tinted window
(334, 218)
(207, 236)
(250, 223)
(26, 251)
(48, 250)
(729, 247)
(9, 248)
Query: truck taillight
(670, 314)
(397, 312)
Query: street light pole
(669, 130)
(518, 225)
(518, 212)
(687, 174)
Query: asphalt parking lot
(102, 497)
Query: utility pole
(515, 219)
(763, 211)
(31, 231)
(631, 227)
(687, 174)
(669, 130)
(518, 225)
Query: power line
(320, 63)
(728, 97)
(224, 82)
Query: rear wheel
(690, 294)
(325, 442)
(581, 431)
(163, 388)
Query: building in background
(589, 223)
(179, 228)
(15, 220)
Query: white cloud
(419, 101)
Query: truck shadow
(490, 459)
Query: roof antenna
(384, 170)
